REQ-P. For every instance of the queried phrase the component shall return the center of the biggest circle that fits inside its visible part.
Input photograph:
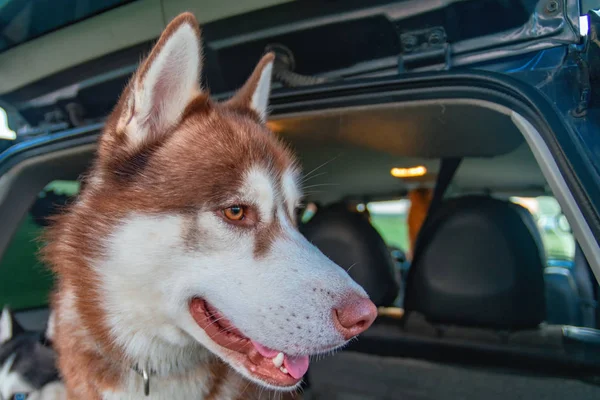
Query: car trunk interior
(347, 154)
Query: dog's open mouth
(272, 366)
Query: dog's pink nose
(354, 316)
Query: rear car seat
(475, 297)
(477, 284)
(475, 288)
(349, 240)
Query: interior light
(411, 172)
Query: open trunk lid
(336, 40)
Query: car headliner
(355, 149)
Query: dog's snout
(354, 316)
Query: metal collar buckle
(145, 376)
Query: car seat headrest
(479, 262)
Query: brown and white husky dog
(181, 259)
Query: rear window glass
(556, 233)
(389, 218)
(22, 20)
(26, 281)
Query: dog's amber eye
(234, 213)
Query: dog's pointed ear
(9, 327)
(164, 84)
(254, 95)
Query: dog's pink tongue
(296, 365)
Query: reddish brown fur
(198, 165)
(265, 238)
(218, 378)
(244, 95)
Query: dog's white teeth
(282, 369)
(278, 360)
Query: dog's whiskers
(247, 344)
(321, 166)
(245, 388)
(311, 192)
(222, 330)
(308, 178)
(214, 322)
(320, 184)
